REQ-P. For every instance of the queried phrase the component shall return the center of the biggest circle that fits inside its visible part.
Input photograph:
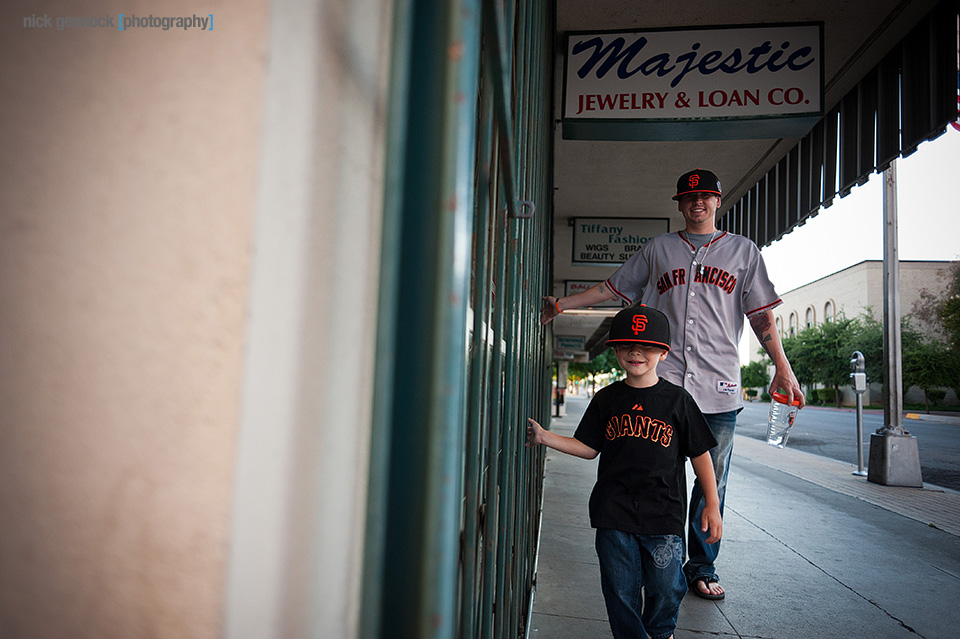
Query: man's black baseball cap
(640, 325)
(697, 181)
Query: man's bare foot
(708, 588)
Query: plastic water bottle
(781, 419)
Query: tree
(942, 311)
(605, 362)
(867, 338)
(836, 338)
(950, 316)
(821, 354)
(754, 374)
(927, 363)
(798, 354)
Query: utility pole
(894, 457)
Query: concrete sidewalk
(809, 550)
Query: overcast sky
(850, 231)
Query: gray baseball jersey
(705, 293)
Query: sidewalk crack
(721, 634)
(831, 576)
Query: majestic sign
(660, 84)
(609, 241)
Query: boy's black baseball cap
(697, 181)
(640, 325)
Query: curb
(943, 419)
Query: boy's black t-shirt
(644, 436)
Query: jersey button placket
(690, 326)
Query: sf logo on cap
(639, 324)
(694, 180)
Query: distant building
(853, 291)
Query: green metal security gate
(461, 358)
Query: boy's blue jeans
(642, 581)
(702, 555)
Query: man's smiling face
(699, 210)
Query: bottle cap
(780, 397)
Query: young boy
(643, 428)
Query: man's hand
(593, 295)
(786, 382)
(549, 309)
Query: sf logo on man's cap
(639, 324)
(694, 180)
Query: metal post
(415, 558)
(562, 370)
(556, 391)
(860, 471)
(894, 457)
(892, 354)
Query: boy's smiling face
(639, 361)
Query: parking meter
(858, 376)
(858, 373)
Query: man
(706, 281)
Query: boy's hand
(710, 520)
(534, 433)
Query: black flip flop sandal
(706, 582)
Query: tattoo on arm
(601, 288)
(760, 323)
(761, 327)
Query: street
(832, 433)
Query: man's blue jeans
(702, 555)
(642, 581)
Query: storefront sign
(568, 342)
(609, 241)
(710, 75)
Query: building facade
(852, 292)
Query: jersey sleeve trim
(773, 304)
(618, 293)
